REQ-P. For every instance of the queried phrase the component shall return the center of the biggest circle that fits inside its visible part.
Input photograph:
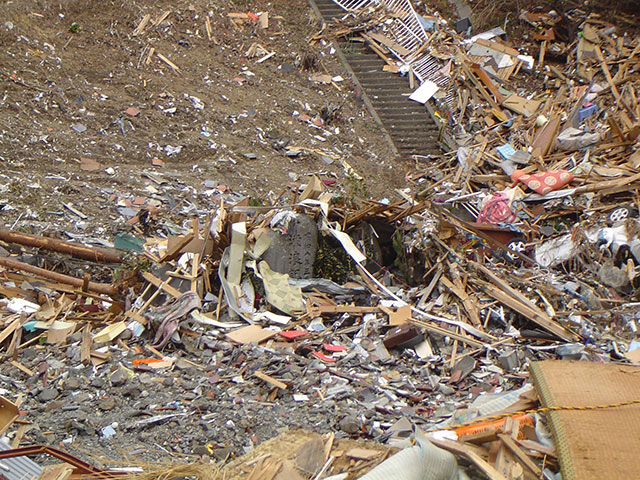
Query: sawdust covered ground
(70, 70)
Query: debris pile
(236, 304)
(445, 326)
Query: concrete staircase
(410, 127)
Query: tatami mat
(592, 444)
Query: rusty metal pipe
(101, 288)
(61, 246)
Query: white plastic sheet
(423, 461)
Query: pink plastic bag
(497, 210)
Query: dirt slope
(70, 70)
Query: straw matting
(592, 444)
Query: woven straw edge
(557, 429)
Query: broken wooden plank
(9, 412)
(537, 447)
(151, 278)
(545, 137)
(607, 74)
(161, 18)
(467, 303)
(168, 62)
(271, 380)
(543, 49)
(484, 78)
(22, 368)
(362, 453)
(465, 450)
(9, 329)
(207, 24)
(56, 472)
(141, 26)
(520, 455)
(318, 310)
(443, 331)
(85, 346)
(518, 302)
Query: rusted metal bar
(61, 246)
(102, 288)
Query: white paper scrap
(424, 92)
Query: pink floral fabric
(544, 182)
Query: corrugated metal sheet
(18, 468)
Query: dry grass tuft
(171, 471)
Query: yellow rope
(542, 410)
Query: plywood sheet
(250, 334)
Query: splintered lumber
(616, 94)
(22, 368)
(168, 62)
(271, 380)
(465, 450)
(468, 304)
(85, 348)
(55, 245)
(102, 288)
(537, 447)
(544, 138)
(61, 471)
(429, 327)
(161, 18)
(522, 457)
(141, 26)
(176, 250)
(155, 281)
(521, 304)
(352, 309)
(207, 24)
(8, 414)
(9, 329)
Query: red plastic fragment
(323, 357)
(329, 347)
(293, 334)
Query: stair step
(401, 96)
(331, 14)
(399, 88)
(365, 57)
(391, 105)
(399, 121)
(374, 83)
(408, 129)
(372, 71)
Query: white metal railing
(407, 30)
(354, 4)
